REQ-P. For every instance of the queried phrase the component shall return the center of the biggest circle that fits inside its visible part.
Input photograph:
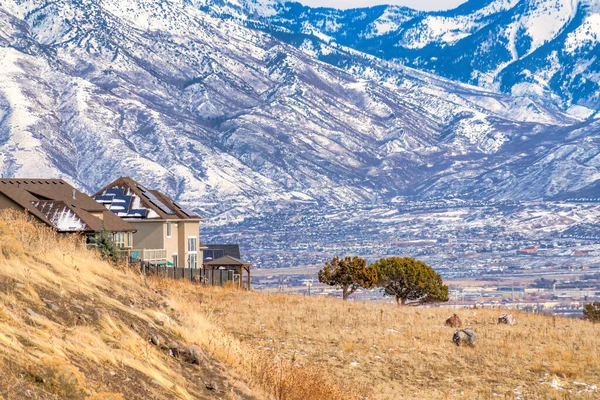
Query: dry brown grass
(275, 346)
(96, 340)
(387, 352)
(281, 377)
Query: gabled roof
(60, 205)
(130, 200)
(227, 261)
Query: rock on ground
(454, 321)
(507, 319)
(465, 337)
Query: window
(119, 239)
(192, 255)
(192, 260)
(192, 244)
(169, 229)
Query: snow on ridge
(232, 119)
(547, 19)
(587, 34)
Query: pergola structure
(229, 262)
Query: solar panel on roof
(115, 191)
(187, 211)
(104, 199)
(122, 200)
(154, 200)
(137, 213)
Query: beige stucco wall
(172, 243)
(149, 235)
(99, 215)
(187, 229)
(129, 242)
(153, 235)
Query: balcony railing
(150, 255)
(124, 254)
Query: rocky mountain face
(238, 122)
(541, 48)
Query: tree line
(404, 278)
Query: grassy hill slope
(73, 326)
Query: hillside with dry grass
(74, 326)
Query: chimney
(74, 194)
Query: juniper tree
(408, 279)
(591, 312)
(349, 274)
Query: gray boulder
(156, 340)
(186, 354)
(465, 337)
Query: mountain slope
(541, 48)
(233, 121)
(76, 327)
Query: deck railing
(123, 254)
(197, 275)
(151, 255)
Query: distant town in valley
(539, 256)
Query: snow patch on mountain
(587, 34)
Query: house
(59, 205)
(166, 232)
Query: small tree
(410, 280)
(349, 274)
(591, 312)
(106, 245)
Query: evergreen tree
(349, 274)
(591, 312)
(106, 245)
(408, 279)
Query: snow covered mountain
(235, 121)
(546, 49)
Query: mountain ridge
(519, 47)
(234, 122)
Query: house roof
(60, 205)
(227, 261)
(129, 199)
(232, 250)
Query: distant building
(580, 253)
(215, 251)
(528, 251)
(59, 205)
